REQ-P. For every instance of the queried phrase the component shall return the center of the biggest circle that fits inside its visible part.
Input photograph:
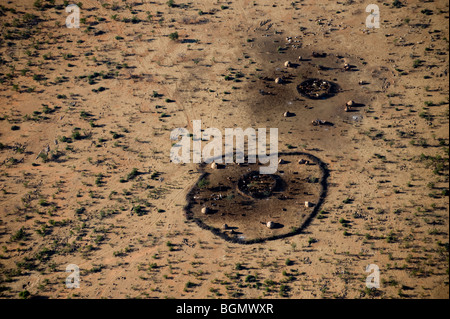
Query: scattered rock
(319, 122)
(308, 204)
(205, 210)
(349, 105)
(270, 225)
(303, 162)
(214, 166)
(287, 64)
(278, 80)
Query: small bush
(24, 294)
(133, 174)
(203, 183)
(138, 210)
(80, 210)
(283, 291)
(390, 238)
(76, 135)
(397, 4)
(19, 235)
(174, 36)
(190, 285)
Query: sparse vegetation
(86, 177)
(173, 36)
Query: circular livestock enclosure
(240, 205)
(258, 185)
(317, 89)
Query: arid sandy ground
(81, 108)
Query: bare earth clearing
(239, 204)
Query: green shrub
(80, 210)
(417, 63)
(397, 4)
(203, 183)
(390, 238)
(76, 135)
(19, 235)
(174, 36)
(284, 291)
(24, 294)
(138, 210)
(190, 285)
(133, 174)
